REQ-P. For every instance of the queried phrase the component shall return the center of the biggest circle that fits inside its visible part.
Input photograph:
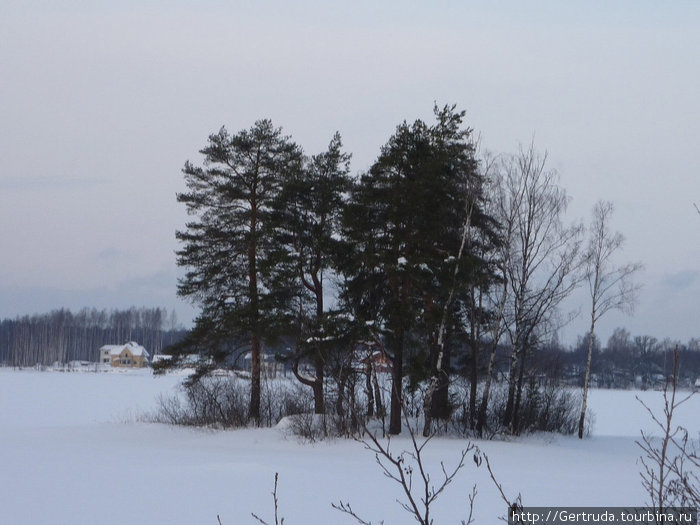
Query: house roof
(135, 349)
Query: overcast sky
(101, 103)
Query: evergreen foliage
(404, 226)
(307, 223)
(227, 243)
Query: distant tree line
(65, 336)
(625, 361)
(634, 361)
(441, 259)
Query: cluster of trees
(640, 361)
(65, 336)
(430, 253)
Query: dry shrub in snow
(223, 402)
(671, 463)
(210, 401)
(544, 408)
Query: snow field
(74, 451)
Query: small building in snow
(130, 355)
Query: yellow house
(130, 355)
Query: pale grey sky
(101, 103)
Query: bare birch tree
(498, 296)
(543, 264)
(435, 378)
(611, 287)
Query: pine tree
(405, 224)
(307, 221)
(226, 244)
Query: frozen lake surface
(73, 450)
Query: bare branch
(347, 509)
(274, 499)
(514, 505)
(400, 468)
(664, 474)
(472, 499)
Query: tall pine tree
(405, 224)
(226, 244)
(307, 220)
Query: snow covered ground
(74, 451)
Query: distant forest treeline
(61, 335)
(64, 336)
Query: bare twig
(347, 509)
(514, 505)
(472, 498)
(276, 501)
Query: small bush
(550, 409)
(308, 427)
(280, 399)
(544, 408)
(210, 401)
(223, 402)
